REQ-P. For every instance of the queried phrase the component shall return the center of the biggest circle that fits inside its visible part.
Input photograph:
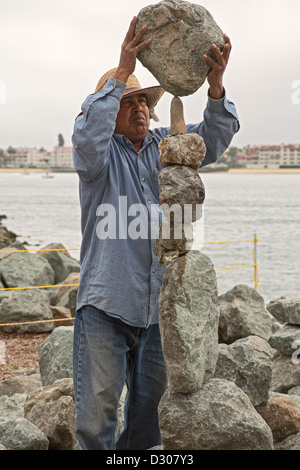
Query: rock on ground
(27, 306)
(285, 309)
(248, 363)
(243, 313)
(20, 434)
(52, 410)
(219, 416)
(282, 415)
(56, 355)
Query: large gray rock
(181, 33)
(181, 185)
(183, 149)
(27, 306)
(285, 373)
(52, 410)
(12, 407)
(287, 339)
(289, 443)
(285, 309)
(26, 269)
(248, 363)
(61, 262)
(188, 315)
(219, 416)
(56, 355)
(20, 384)
(20, 434)
(243, 313)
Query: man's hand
(215, 76)
(130, 49)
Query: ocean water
(237, 206)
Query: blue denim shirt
(119, 273)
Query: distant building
(271, 157)
(61, 159)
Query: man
(116, 333)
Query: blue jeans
(107, 354)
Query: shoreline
(231, 170)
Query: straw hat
(153, 94)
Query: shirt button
(149, 202)
(143, 179)
(153, 270)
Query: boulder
(61, 262)
(188, 316)
(243, 313)
(286, 340)
(12, 407)
(181, 33)
(20, 434)
(282, 415)
(27, 306)
(25, 269)
(56, 355)
(290, 443)
(285, 309)
(20, 384)
(219, 416)
(183, 149)
(248, 363)
(181, 187)
(52, 410)
(285, 373)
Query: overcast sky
(52, 54)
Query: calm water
(44, 210)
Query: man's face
(133, 119)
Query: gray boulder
(248, 363)
(12, 407)
(188, 312)
(285, 309)
(219, 416)
(61, 262)
(30, 305)
(181, 185)
(56, 355)
(20, 384)
(285, 373)
(243, 313)
(287, 339)
(290, 443)
(20, 434)
(181, 33)
(52, 410)
(183, 149)
(25, 269)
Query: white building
(61, 159)
(273, 156)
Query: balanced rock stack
(181, 190)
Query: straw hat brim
(153, 94)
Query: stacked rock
(181, 189)
(198, 410)
(286, 342)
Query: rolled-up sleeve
(218, 127)
(94, 128)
